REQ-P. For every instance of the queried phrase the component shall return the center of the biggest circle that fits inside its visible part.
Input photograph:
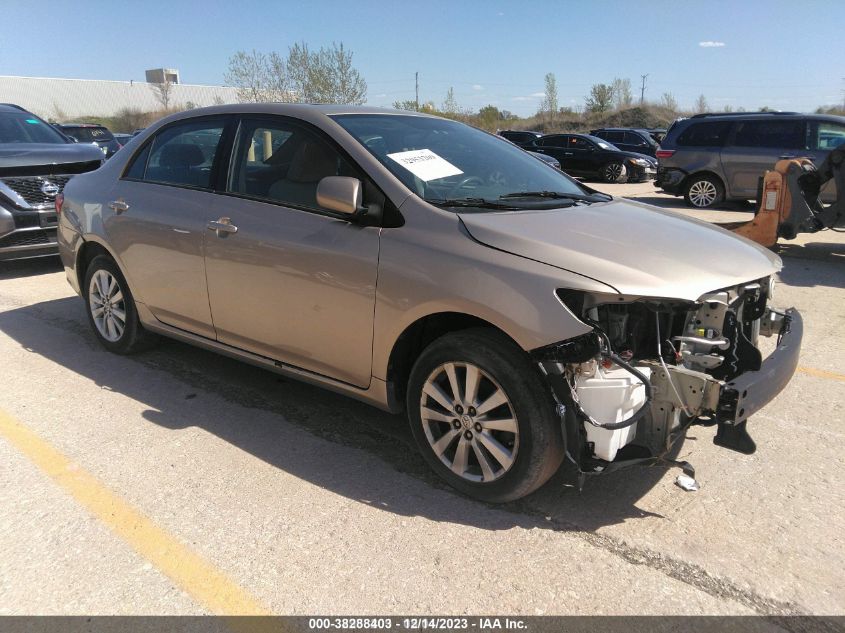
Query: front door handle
(223, 227)
(118, 206)
(785, 156)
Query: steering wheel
(463, 183)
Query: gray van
(710, 158)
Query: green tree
(600, 99)
(489, 117)
(407, 104)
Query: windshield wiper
(480, 203)
(581, 197)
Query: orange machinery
(789, 202)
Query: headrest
(311, 162)
(181, 155)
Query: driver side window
(281, 162)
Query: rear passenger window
(183, 154)
(705, 134)
(552, 141)
(614, 137)
(789, 134)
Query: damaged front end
(651, 368)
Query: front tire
(111, 309)
(704, 192)
(482, 417)
(614, 172)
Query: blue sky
(783, 54)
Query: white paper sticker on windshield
(425, 164)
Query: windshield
(447, 162)
(88, 134)
(23, 127)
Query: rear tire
(704, 192)
(499, 438)
(111, 309)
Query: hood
(635, 248)
(21, 155)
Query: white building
(68, 99)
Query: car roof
(733, 116)
(309, 112)
(64, 125)
(11, 107)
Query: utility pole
(417, 82)
(642, 89)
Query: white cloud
(711, 44)
(500, 13)
(538, 95)
(381, 96)
(477, 87)
(522, 99)
(531, 97)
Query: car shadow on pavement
(30, 267)
(58, 331)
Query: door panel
(159, 239)
(294, 286)
(756, 146)
(292, 283)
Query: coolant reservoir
(610, 395)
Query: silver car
(421, 265)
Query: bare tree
(600, 99)
(325, 76)
(622, 95)
(163, 93)
(450, 104)
(668, 101)
(258, 77)
(701, 104)
(549, 104)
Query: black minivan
(710, 158)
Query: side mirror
(340, 193)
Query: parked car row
(708, 158)
(711, 158)
(591, 156)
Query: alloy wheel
(469, 422)
(108, 307)
(702, 193)
(613, 171)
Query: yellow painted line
(821, 373)
(200, 579)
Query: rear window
(705, 134)
(89, 134)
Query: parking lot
(182, 482)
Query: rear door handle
(223, 227)
(785, 156)
(118, 206)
